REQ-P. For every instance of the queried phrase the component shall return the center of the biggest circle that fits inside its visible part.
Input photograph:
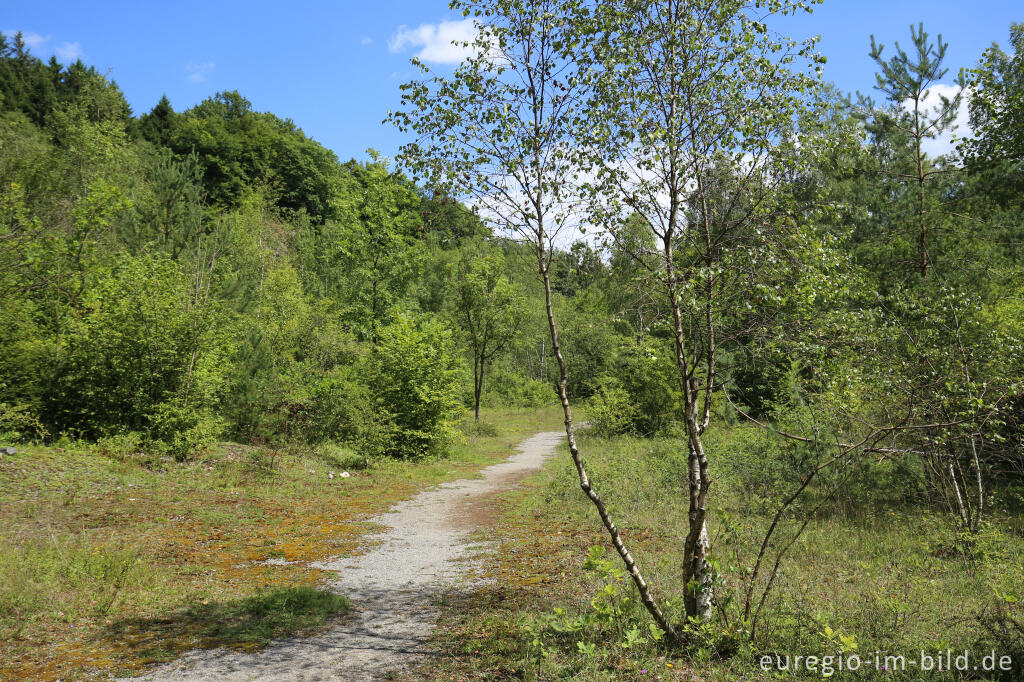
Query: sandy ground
(422, 551)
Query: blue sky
(334, 67)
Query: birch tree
(690, 126)
(497, 134)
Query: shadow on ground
(245, 624)
(387, 630)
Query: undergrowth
(868, 580)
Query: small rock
(8, 451)
(345, 474)
(330, 475)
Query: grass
(246, 624)
(863, 577)
(111, 559)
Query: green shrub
(416, 382)
(610, 411)
(472, 427)
(18, 424)
(340, 457)
(121, 446)
(299, 376)
(340, 408)
(1001, 629)
(588, 343)
(510, 389)
(184, 428)
(647, 373)
(268, 394)
(143, 356)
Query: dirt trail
(392, 587)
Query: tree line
(181, 277)
(176, 278)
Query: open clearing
(392, 587)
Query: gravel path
(392, 587)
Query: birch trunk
(570, 431)
(697, 572)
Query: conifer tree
(908, 80)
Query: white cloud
(943, 144)
(198, 73)
(68, 52)
(436, 41)
(367, 40)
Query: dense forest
(178, 278)
(794, 267)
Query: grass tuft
(246, 624)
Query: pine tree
(907, 82)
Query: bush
(646, 372)
(122, 446)
(18, 424)
(416, 380)
(588, 343)
(185, 429)
(510, 389)
(757, 466)
(268, 391)
(308, 386)
(472, 427)
(141, 357)
(340, 457)
(1002, 630)
(611, 413)
(340, 408)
